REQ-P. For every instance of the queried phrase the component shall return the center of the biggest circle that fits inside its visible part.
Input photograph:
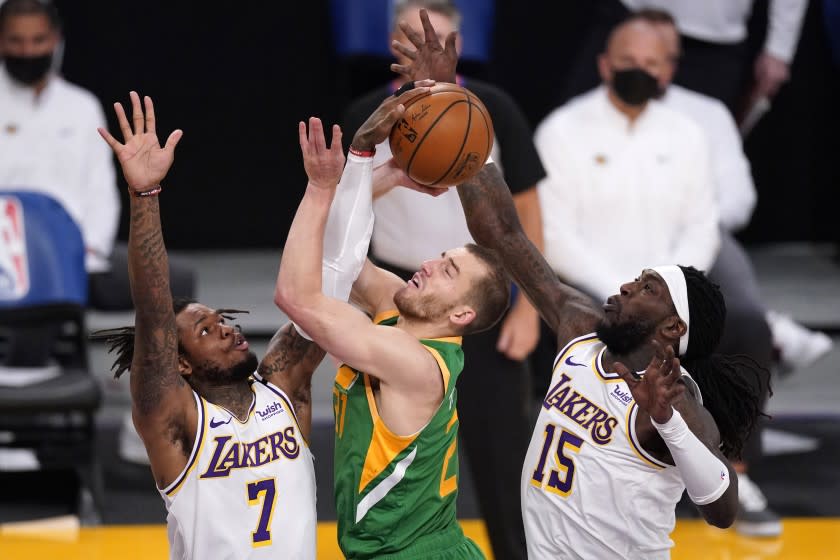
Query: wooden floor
(803, 539)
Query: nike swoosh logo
(215, 424)
(568, 362)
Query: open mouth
(415, 280)
(240, 343)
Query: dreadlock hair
(121, 340)
(726, 382)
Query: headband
(675, 280)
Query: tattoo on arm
(493, 222)
(290, 362)
(155, 365)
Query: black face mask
(634, 86)
(28, 69)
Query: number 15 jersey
(248, 490)
(589, 489)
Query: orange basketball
(444, 137)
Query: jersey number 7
(266, 487)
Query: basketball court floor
(800, 475)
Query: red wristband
(361, 153)
(154, 191)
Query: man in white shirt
(716, 56)
(49, 144)
(628, 179)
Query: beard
(420, 307)
(238, 372)
(623, 338)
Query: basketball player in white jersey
(227, 437)
(613, 450)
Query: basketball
(444, 137)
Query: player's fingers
(108, 138)
(412, 35)
(136, 112)
(302, 138)
(122, 120)
(316, 134)
(407, 52)
(429, 34)
(449, 45)
(150, 114)
(335, 144)
(625, 374)
(400, 69)
(173, 140)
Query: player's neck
(236, 396)
(422, 328)
(637, 360)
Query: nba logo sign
(14, 269)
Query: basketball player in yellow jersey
(396, 420)
(228, 451)
(612, 451)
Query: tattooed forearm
(290, 361)
(154, 368)
(493, 222)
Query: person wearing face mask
(628, 180)
(49, 144)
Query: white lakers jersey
(248, 490)
(589, 490)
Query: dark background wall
(237, 77)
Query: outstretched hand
(378, 125)
(143, 161)
(656, 392)
(323, 165)
(429, 59)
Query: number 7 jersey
(589, 489)
(248, 490)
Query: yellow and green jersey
(395, 495)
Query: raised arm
(163, 407)
(339, 328)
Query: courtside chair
(48, 395)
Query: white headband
(675, 280)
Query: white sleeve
(102, 200)
(348, 230)
(349, 227)
(699, 243)
(705, 476)
(732, 176)
(783, 27)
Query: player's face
(632, 316)
(214, 349)
(27, 35)
(440, 285)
